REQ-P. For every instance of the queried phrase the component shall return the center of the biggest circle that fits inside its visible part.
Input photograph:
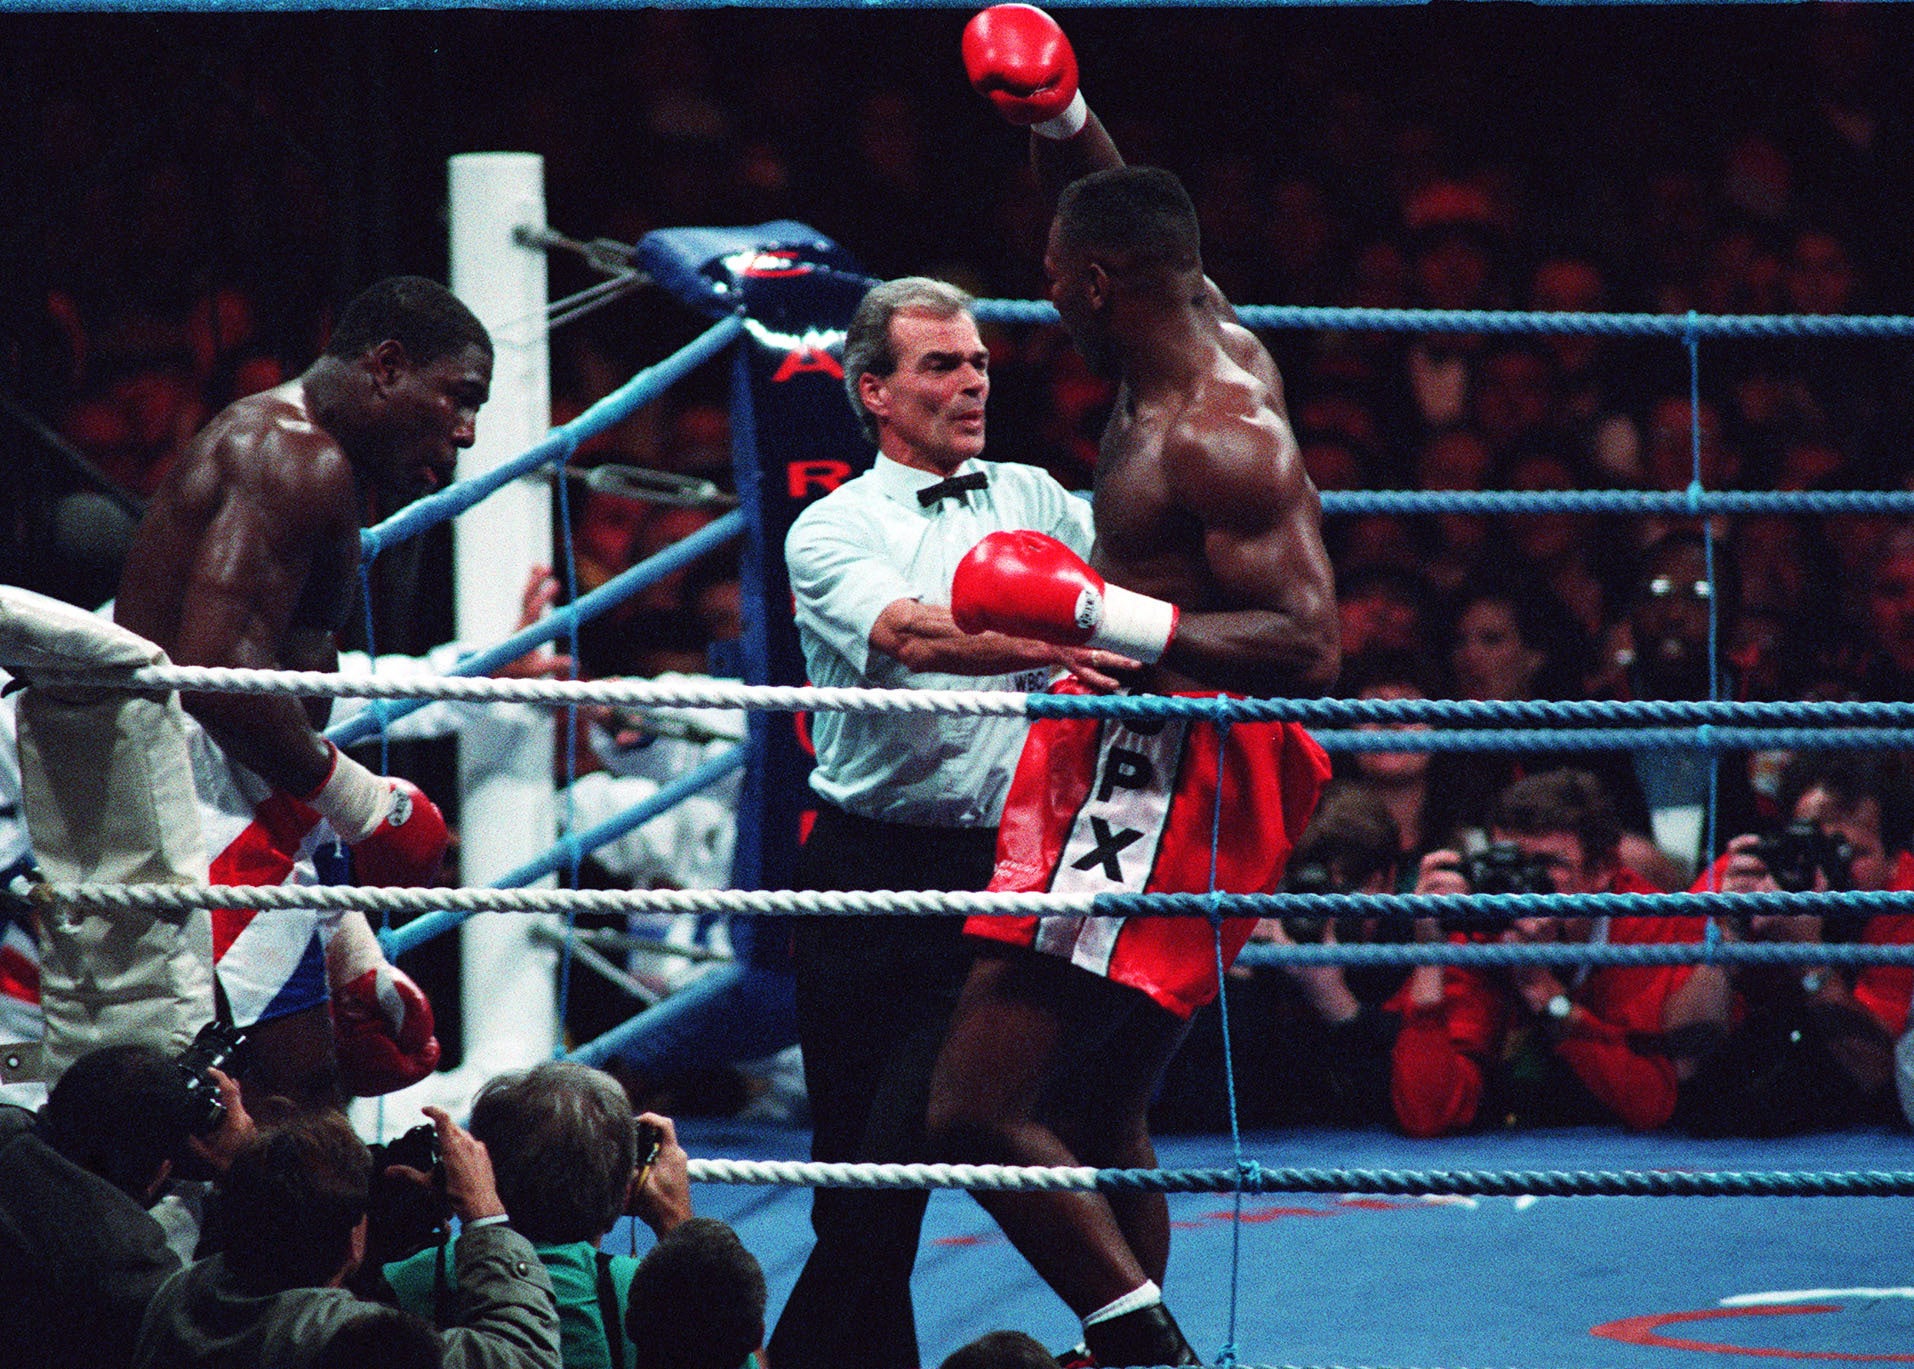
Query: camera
(651, 1139)
(415, 1149)
(218, 1046)
(1800, 851)
(1316, 875)
(403, 1218)
(1505, 868)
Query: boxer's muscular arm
(1243, 481)
(285, 518)
(1059, 161)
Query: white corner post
(506, 805)
(505, 772)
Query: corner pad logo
(768, 265)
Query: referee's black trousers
(874, 998)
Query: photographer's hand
(1326, 987)
(470, 1189)
(661, 1193)
(235, 1128)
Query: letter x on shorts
(1129, 806)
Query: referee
(906, 801)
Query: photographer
(1310, 1042)
(1535, 1044)
(80, 1254)
(291, 1229)
(1812, 1048)
(567, 1154)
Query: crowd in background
(188, 230)
(197, 191)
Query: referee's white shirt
(851, 555)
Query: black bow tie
(953, 488)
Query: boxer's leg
(1018, 1017)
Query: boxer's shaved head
(1134, 217)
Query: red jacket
(1884, 990)
(1442, 1055)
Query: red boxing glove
(382, 1030)
(397, 835)
(1019, 59)
(1028, 584)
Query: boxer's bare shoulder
(263, 507)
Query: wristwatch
(1559, 1008)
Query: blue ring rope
(549, 628)
(1502, 321)
(423, 929)
(1514, 905)
(1478, 712)
(557, 445)
(1689, 503)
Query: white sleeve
(1074, 527)
(841, 580)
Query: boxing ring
(743, 280)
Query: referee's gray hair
(867, 341)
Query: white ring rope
(823, 1174)
(370, 900)
(485, 689)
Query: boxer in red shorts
(1209, 567)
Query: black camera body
(415, 1149)
(1800, 851)
(218, 1046)
(1505, 868)
(1315, 875)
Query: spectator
(384, 1338)
(1811, 1049)
(697, 1301)
(1309, 1043)
(1000, 1350)
(80, 1255)
(1509, 642)
(1382, 608)
(1684, 600)
(1454, 459)
(1403, 781)
(292, 1229)
(563, 1145)
(1531, 1045)
(1350, 846)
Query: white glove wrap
(1068, 124)
(353, 799)
(1134, 625)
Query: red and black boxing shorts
(1129, 806)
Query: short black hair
(1564, 800)
(1351, 836)
(286, 1209)
(1849, 777)
(1001, 1350)
(1140, 216)
(1380, 666)
(427, 319)
(118, 1112)
(696, 1300)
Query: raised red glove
(1019, 59)
(1028, 584)
(382, 1029)
(397, 835)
